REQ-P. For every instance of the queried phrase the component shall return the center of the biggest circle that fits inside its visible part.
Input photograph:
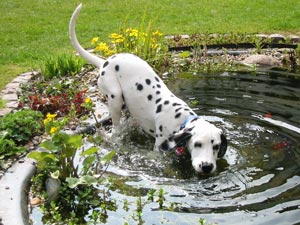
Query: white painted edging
(14, 191)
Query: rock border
(9, 94)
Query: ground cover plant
(16, 129)
(31, 30)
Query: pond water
(257, 182)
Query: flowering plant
(53, 125)
(146, 44)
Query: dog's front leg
(109, 85)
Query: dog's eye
(216, 147)
(197, 145)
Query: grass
(30, 31)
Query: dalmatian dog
(127, 79)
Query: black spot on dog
(177, 115)
(158, 100)
(157, 79)
(117, 67)
(160, 128)
(194, 119)
(212, 141)
(149, 97)
(158, 85)
(176, 110)
(139, 86)
(176, 104)
(151, 131)
(153, 86)
(102, 73)
(148, 81)
(158, 109)
(158, 92)
(172, 96)
(192, 114)
(114, 56)
(186, 109)
(166, 102)
(112, 96)
(105, 64)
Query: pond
(258, 181)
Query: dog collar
(188, 119)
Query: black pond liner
(232, 46)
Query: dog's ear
(181, 138)
(176, 140)
(223, 146)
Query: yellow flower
(102, 47)
(157, 33)
(47, 120)
(119, 40)
(114, 36)
(94, 40)
(51, 116)
(88, 100)
(53, 130)
(132, 32)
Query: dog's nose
(207, 167)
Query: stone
(12, 104)
(276, 38)
(35, 201)
(262, 36)
(294, 38)
(5, 111)
(185, 36)
(10, 97)
(263, 60)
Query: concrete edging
(14, 193)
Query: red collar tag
(179, 151)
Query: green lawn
(33, 29)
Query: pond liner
(232, 46)
(14, 186)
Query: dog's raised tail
(82, 52)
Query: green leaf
(49, 145)
(107, 158)
(55, 175)
(73, 182)
(89, 180)
(88, 161)
(42, 158)
(90, 151)
(39, 156)
(75, 140)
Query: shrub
(8, 147)
(22, 125)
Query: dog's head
(205, 143)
